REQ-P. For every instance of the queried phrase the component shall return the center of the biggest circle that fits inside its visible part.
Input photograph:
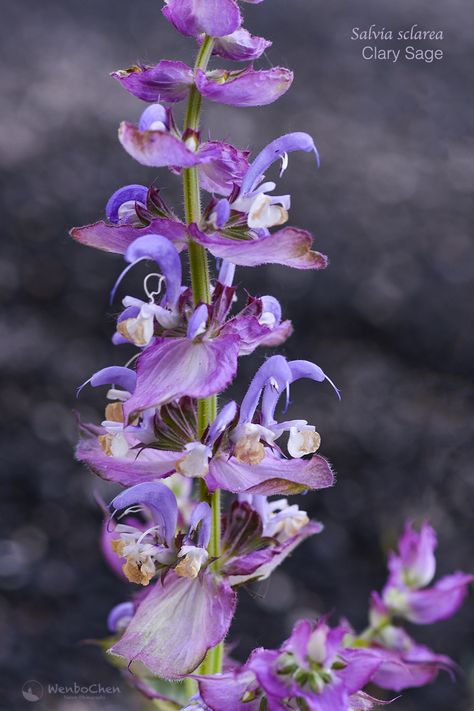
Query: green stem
(200, 282)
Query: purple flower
(166, 81)
(215, 18)
(132, 211)
(162, 633)
(311, 670)
(405, 593)
(247, 87)
(240, 46)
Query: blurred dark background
(389, 319)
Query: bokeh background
(389, 319)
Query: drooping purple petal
(438, 602)
(172, 368)
(136, 193)
(226, 168)
(177, 623)
(290, 247)
(271, 476)
(117, 238)
(260, 564)
(246, 88)
(240, 46)
(414, 667)
(137, 466)
(162, 251)
(166, 81)
(156, 149)
(275, 150)
(192, 18)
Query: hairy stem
(207, 407)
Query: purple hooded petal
(126, 378)
(226, 168)
(159, 499)
(240, 46)
(224, 692)
(261, 564)
(156, 149)
(195, 17)
(139, 464)
(275, 150)
(246, 88)
(439, 602)
(166, 81)
(128, 193)
(163, 252)
(289, 247)
(275, 372)
(171, 368)
(117, 238)
(177, 623)
(154, 115)
(271, 476)
(120, 616)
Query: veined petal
(172, 368)
(271, 476)
(156, 149)
(118, 238)
(290, 247)
(177, 623)
(166, 81)
(211, 17)
(136, 466)
(246, 88)
(240, 46)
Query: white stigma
(192, 560)
(195, 462)
(263, 214)
(303, 440)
